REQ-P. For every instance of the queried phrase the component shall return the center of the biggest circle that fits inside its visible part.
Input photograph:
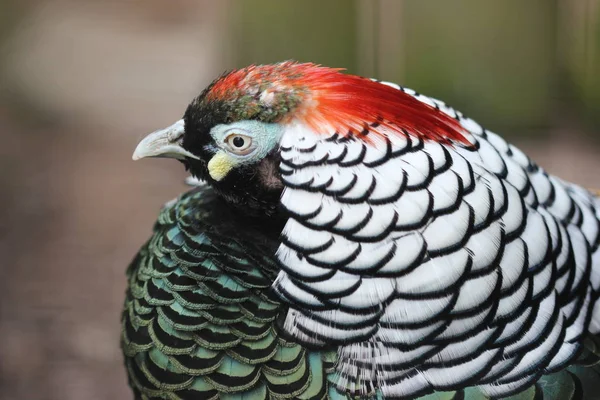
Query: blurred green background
(82, 81)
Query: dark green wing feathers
(198, 321)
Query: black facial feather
(242, 187)
(199, 118)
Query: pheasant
(355, 239)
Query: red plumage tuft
(346, 104)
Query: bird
(350, 238)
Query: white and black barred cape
(435, 266)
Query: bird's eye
(239, 144)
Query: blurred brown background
(81, 82)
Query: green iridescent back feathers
(200, 322)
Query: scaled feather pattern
(419, 257)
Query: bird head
(229, 135)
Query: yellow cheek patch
(219, 166)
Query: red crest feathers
(347, 104)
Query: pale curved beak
(164, 143)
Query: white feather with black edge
(434, 266)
